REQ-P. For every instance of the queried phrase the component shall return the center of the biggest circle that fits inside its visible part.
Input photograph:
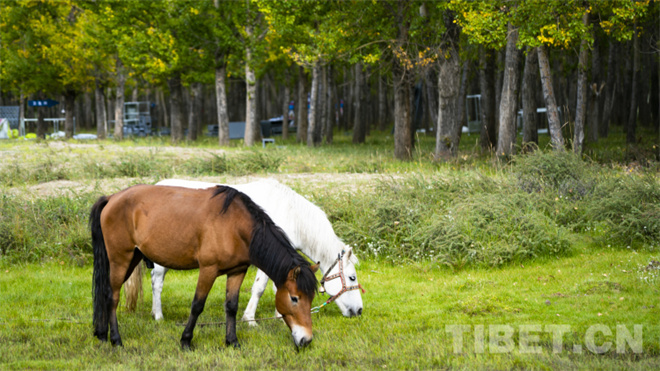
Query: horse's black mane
(270, 249)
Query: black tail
(101, 290)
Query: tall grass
(44, 228)
(452, 214)
(134, 164)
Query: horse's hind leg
(207, 276)
(121, 267)
(234, 281)
(258, 288)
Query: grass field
(504, 256)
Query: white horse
(310, 231)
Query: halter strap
(339, 275)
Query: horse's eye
(352, 278)
(294, 299)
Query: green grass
(407, 309)
(542, 240)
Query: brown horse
(218, 230)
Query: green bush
(456, 222)
(50, 227)
(559, 173)
(628, 208)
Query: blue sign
(43, 103)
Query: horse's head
(293, 301)
(341, 281)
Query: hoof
(185, 346)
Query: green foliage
(628, 209)
(559, 174)
(43, 48)
(455, 222)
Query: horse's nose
(304, 341)
(360, 312)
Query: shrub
(456, 222)
(628, 207)
(559, 173)
(33, 230)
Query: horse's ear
(296, 272)
(315, 267)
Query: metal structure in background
(137, 118)
(12, 114)
(473, 113)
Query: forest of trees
(363, 66)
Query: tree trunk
(431, 99)
(41, 123)
(330, 116)
(645, 81)
(348, 98)
(595, 98)
(313, 117)
(382, 113)
(252, 129)
(610, 91)
(285, 106)
(402, 119)
(164, 112)
(634, 94)
(301, 114)
(530, 119)
(101, 118)
(499, 81)
(195, 110)
(359, 129)
(449, 81)
(508, 104)
(461, 114)
(69, 108)
(581, 106)
(448, 88)
(323, 104)
(119, 101)
(88, 113)
(176, 120)
(554, 124)
(221, 104)
(488, 132)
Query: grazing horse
(308, 228)
(218, 230)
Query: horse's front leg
(234, 281)
(157, 280)
(258, 288)
(207, 276)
